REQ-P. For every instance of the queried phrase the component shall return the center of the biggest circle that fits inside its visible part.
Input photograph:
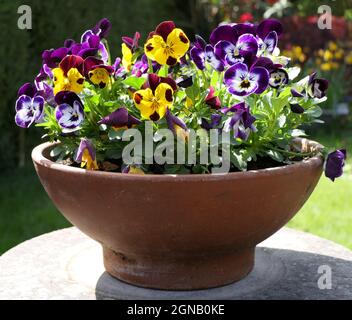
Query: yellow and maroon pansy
(97, 72)
(167, 44)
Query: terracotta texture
(178, 232)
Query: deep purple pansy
(69, 111)
(268, 32)
(102, 28)
(29, 110)
(175, 124)
(335, 163)
(296, 108)
(215, 121)
(317, 88)
(53, 57)
(242, 122)
(242, 81)
(120, 119)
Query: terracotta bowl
(178, 232)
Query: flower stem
(150, 66)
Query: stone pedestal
(66, 264)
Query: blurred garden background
(26, 211)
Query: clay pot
(178, 232)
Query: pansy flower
(129, 46)
(86, 155)
(102, 28)
(242, 80)
(278, 77)
(97, 72)
(155, 97)
(29, 110)
(176, 125)
(53, 57)
(335, 163)
(212, 100)
(268, 32)
(68, 77)
(242, 122)
(69, 111)
(203, 54)
(120, 119)
(167, 44)
(215, 121)
(317, 88)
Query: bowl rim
(40, 160)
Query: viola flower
(317, 88)
(167, 44)
(335, 163)
(268, 33)
(52, 58)
(203, 54)
(86, 155)
(242, 122)
(68, 77)
(97, 72)
(212, 100)
(296, 108)
(215, 121)
(140, 67)
(278, 77)
(69, 111)
(244, 47)
(127, 57)
(120, 119)
(176, 125)
(29, 110)
(102, 28)
(133, 170)
(242, 81)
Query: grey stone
(66, 264)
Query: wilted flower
(86, 155)
(335, 163)
(167, 44)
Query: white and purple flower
(69, 112)
(242, 80)
(204, 54)
(241, 123)
(268, 33)
(29, 110)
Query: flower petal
(178, 42)
(261, 77)
(271, 41)
(247, 44)
(198, 57)
(268, 25)
(165, 28)
(223, 33)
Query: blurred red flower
(246, 17)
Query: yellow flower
(348, 58)
(72, 82)
(328, 55)
(326, 66)
(135, 170)
(153, 105)
(339, 54)
(127, 57)
(167, 45)
(99, 76)
(332, 46)
(88, 162)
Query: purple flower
(203, 54)
(120, 119)
(86, 155)
(27, 89)
(278, 77)
(69, 112)
(317, 88)
(102, 28)
(53, 57)
(176, 125)
(29, 110)
(132, 43)
(242, 122)
(335, 163)
(242, 81)
(231, 33)
(90, 46)
(268, 32)
(296, 108)
(232, 52)
(215, 121)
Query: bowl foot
(180, 273)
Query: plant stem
(150, 66)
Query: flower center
(245, 84)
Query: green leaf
(275, 155)
(134, 82)
(298, 133)
(238, 160)
(115, 135)
(314, 112)
(56, 151)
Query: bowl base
(186, 273)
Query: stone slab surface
(66, 264)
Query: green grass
(26, 211)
